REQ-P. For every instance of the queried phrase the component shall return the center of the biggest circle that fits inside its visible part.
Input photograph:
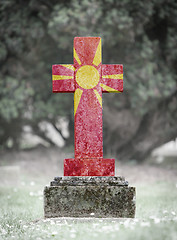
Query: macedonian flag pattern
(88, 78)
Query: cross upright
(88, 78)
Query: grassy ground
(21, 205)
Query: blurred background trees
(141, 35)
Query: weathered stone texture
(104, 198)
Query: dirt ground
(46, 163)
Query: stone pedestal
(89, 197)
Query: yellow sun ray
(114, 76)
(108, 89)
(76, 57)
(61, 77)
(71, 67)
(97, 58)
(98, 97)
(77, 97)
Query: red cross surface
(88, 78)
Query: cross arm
(63, 78)
(112, 78)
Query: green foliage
(36, 34)
(15, 95)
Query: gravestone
(89, 187)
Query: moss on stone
(103, 200)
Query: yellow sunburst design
(76, 57)
(97, 58)
(108, 89)
(87, 77)
(98, 97)
(77, 97)
(61, 77)
(71, 67)
(114, 76)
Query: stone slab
(106, 197)
(85, 180)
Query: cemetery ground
(24, 174)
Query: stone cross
(88, 78)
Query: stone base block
(89, 197)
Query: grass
(21, 202)
(21, 216)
